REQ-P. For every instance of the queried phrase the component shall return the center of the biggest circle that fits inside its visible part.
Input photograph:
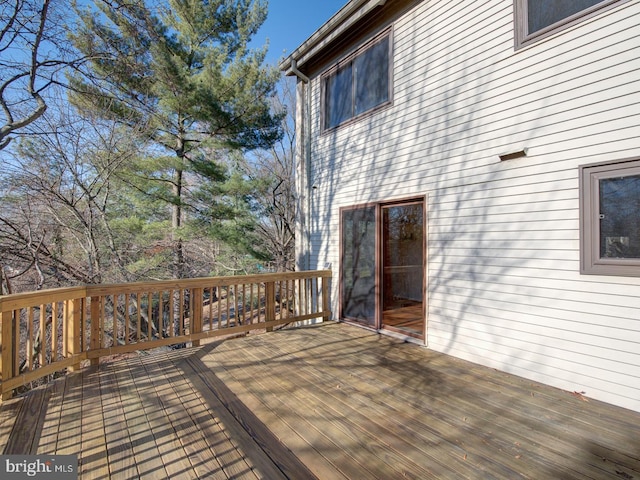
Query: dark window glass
(542, 13)
(358, 86)
(339, 97)
(372, 77)
(620, 217)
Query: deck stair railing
(43, 333)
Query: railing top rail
(28, 299)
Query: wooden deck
(330, 401)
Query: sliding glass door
(382, 266)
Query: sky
(291, 22)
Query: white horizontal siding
(550, 366)
(583, 328)
(504, 287)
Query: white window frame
(590, 261)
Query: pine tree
(182, 76)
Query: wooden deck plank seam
(280, 427)
(344, 397)
(561, 459)
(344, 432)
(260, 435)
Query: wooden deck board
(48, 441)
(8, 415)
(406, 432)
(173, 455)
(387, 411)
(285, 420)
(141, 437)
(337, 417)
(29, 423)
(452, 422)
(258, 441)
(177, 399)
(527, 414)
(69, 439)
(223, 434)
(93, 462)
(117, 438)
(330, 402)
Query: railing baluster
(228, 306)
(149, 315)
(29, 348)
(196, 313)
(270, 307)
(181, 321)
(218, 314)
(17, 345)
(210, 317)
(8, 352)
(96, 327)
(125, 306)
(251, 300)
(41, 337)
(139, 319)
(86, 317)
(172, 296)
(161, 328)
(236, 299)
(54, 332)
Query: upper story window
(610, 218)
(359, 84)
(536, 19)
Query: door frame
(378, 315)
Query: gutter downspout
(306, 142)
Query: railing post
(196, 313)
(72, 330)
(325, 299)
(270, 305)
(6, 346)
(96, 322)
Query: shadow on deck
(329, 402)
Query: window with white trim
(536, 19)
(610, 218)
(359, 84)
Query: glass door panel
(358, 296)
(403, 268)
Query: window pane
(339, 97)
(543, 13)
(372, 77)
(620, 217)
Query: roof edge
(336, 25)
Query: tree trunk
(176, 223)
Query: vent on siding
(513, 155)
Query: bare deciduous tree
(33, 54)
(58, 188)
(273, 174)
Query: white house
(470, 171)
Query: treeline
(164, 150)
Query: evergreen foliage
(182, 76)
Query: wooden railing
(46, 332)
